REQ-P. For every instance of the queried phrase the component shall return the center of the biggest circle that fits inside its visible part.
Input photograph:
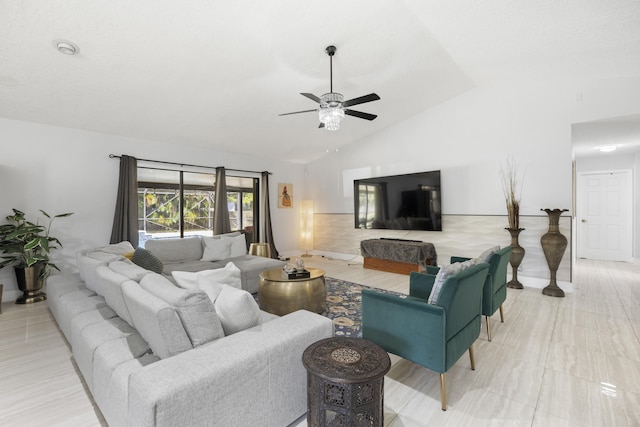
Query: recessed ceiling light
(607, 148)
(66, 47)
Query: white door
(604, 215)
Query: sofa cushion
(251, 266)
(175, 250)
(74, 303)
(230, 275)
(89, 264)
(129, 270)
(237, 310)
(87, 267)
(110, 283)
(60, 284)
(216, 249)
(87, 318)
(195, 309)
(146, 259)
(117, 248)
(443, 274)
(93, 336)
(193, 266)
(156, 321)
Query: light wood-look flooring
(572, 361)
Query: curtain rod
(115, 156)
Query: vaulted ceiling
(217, 74)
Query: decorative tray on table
(296, 274)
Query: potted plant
(26, 246)
(509, 175)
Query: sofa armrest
(420, 285)
(253, 377)
(432, 269)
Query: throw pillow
(237, 310)
(228, 275)
(484, 256)
(195, 309)
(211, 289)
(216, 249)
(148, 260)
(443, 274)
(238, 246)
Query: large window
(178, 203)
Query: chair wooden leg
(443, 392)
(488, 327)
(501, 315)
(471, 358)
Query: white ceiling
(621, 132)
(217, 74)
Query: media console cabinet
(397, 255)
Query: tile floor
(572, 361)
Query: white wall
(65, 170)
(605, 99)
(467, 138)
(604, 163)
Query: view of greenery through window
(160, 205)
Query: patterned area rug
(344, 306)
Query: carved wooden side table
(345, 382)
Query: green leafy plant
(25, 244)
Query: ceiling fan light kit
(332, 105)
(331, 112)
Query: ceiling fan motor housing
(331, 99)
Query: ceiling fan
(332, 108)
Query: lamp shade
(306, 225)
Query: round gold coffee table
(280, 295)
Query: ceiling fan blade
(360, 114)
(311, 96)
(321, 125)
(361, 100)
(297, 112)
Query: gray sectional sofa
(186, 255)
(155, 354)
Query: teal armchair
(495, 286)
(432, 335)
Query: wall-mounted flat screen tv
(399, 202)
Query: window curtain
(268, 231)
(221, 223)
(125, 219)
